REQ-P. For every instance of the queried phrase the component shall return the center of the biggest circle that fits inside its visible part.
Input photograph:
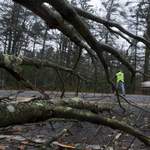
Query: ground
(93, 136)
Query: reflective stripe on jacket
(120, 76)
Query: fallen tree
(37, 110)
(67, 19)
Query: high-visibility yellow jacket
(120, 77)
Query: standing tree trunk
(147, 52)
(44, 41)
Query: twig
(62, 82)
(55, 137)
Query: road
(94, 135)
(141, 100)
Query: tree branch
(55, 137)
(41, 110)
(36, 8)
(69, 14)
(109, 24)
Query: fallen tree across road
(37, 110)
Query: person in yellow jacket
(120, 81)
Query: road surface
(94, 135)
(140, 100)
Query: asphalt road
(94, 135)
(141, 100)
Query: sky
(97, 5)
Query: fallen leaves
(19, 128)
(73, 135)
(124, 118)
(17, 133)
(146, 120)
(24, 142)
(109, 135)
(124, 148)
(126, 134)
(123, 140)
(40, 136)
(131, 115)
(33, 128)
(61, 140)
(6, 138)
(84, 138)
(66, 134)
(117, 136)
(28, 137)
(66, 145)
(27, 143)
(3, 147)
(21, 147)
(113, 117)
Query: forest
(23, 33)
(74, 46)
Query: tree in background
(140, 13)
